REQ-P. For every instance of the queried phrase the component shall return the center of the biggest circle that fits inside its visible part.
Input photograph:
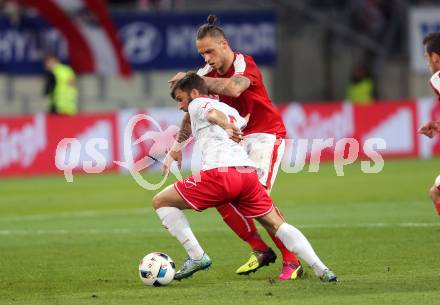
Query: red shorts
(238, 186)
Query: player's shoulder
(245, 56)
(201, 102)
(243, 62)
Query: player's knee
(434, 192)
(157, 201)
(272, 228)
(270, 225)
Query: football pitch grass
(80, 243)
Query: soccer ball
(156, 269)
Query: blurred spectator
(367, 16)
(60, 87)
(361, 88)
(12, 10)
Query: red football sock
(256, 242)
(437, 207)
(287, 255)
(243, 227)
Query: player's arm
(185, 129)
(175, 153)
(233, 86)
(217, 117)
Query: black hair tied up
(211, 19)
(210, 28)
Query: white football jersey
(217, 149)
(435, 83)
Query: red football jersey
(254, 100)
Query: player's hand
(235, 134)
(176, 78)
(430, 129)
(169, 159)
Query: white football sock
(176, 223)
(296, 242)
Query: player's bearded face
(183, 99)
(213, 51)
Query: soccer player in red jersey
(228, 175)
(236, 79)
(432, 128)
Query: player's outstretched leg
(292, 268)
(296, 242)
(435, 196)
(261, 254)
(168, 205)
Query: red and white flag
(91, 37)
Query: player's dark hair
(189, 82)
(432, 43)
(210, 28)
(50, 55)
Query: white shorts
(266, 151)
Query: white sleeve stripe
(435, 81)
(205, 70)
(239, 64)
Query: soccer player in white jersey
(228, 175)
(238, 82)
(432, 128)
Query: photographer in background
(60, 87)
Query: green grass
(80, 243)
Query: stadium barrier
(32, 145)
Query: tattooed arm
(233, 86)
(175, 153)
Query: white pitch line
(219, 229)
(373, 225)
(93, 213)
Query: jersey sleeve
(247, 67)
